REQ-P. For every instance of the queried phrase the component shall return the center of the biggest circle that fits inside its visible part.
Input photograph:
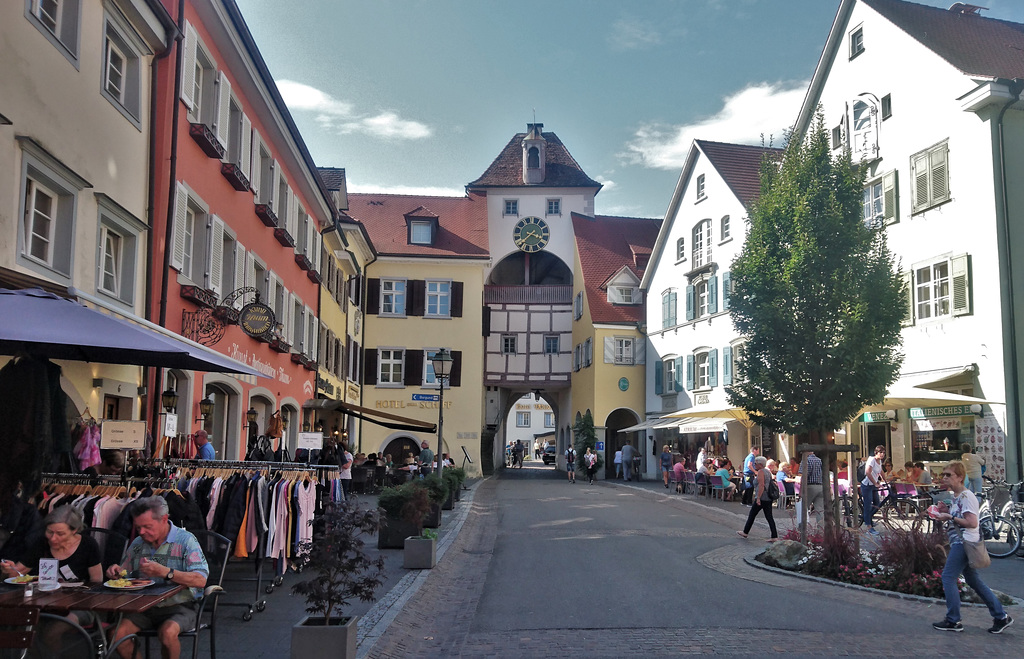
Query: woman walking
(666, 463)
(761, 502)
(590, 459)
(962, 526)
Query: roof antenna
(534, 115)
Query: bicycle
(899, 512)
(1001, 534)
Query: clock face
(531, 234)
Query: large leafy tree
(815, 293)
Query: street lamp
(169, 399)
(442, 363)
(206, 407)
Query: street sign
(600, 446)
(426, 397)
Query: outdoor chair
(17, 630)
(703, 485)
(112, 545)
(718, 487)
(675, 485)
(689, 484)
(57, 636)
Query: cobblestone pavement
(448, 615)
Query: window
(233, 264)
(702, 371)
(201, 89)
(837, 137)
(193, 238)
(439, 298)
(508, 344)
(732, 359)
(669, 370)
(588, 352)
(115, 72)
(886, 106)
(420, 232)
(700, 295)
(122, 76)
(623, 350)
(577, 359)
(549, 419)
(392, 297)
(522, 419)
(577, 306)
(864, 132)
(726, 230)
(668, 308)
(554, 207)
(511, 207)
(624, 294)
(58, 21)
(429, 378)
(389, 364)
(110, 262)
(700, 187)
(551, 344)
(120, 234)
(701, 243)
(189, 230)
(680, 249)
(40, 222)
(856, 42)
(929, 177)
(932, 290)
(939, 289)
(879, 201)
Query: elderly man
(748, 475)
(628, 453)
(162, 552)
(204, 449)
(426, 459)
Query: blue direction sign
(431, 397)
(600, 446)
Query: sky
(420, 96)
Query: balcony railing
(527, 294)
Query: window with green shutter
(929, 177)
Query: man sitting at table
(920, 475)
(162, 552)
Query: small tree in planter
(420, 549)
(341, 570)
(437, 490)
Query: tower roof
(562, 170)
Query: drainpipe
(1015, 86)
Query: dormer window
(624, 294)
(421, 232)
(533, 158)
(856, 42)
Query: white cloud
(371, 188)
(633, 34)
(607, 184)
(340, 116)
(762, 109)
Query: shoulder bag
(977, 553)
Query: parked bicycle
(1001, 533)
(898, 511)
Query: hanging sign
(171, 425)
(123, 435)
(256, 319)
(310, 440)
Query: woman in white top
(962, 526)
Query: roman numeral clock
(531, 234)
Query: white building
(532, 421)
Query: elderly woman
(761, 501)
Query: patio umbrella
(903, 396)
(46, 325)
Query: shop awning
(701, 425)
(901, 396)
(645, 425)
(35, 322)
(392, 421)
(936, 377)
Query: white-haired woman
(761, 502)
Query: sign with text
(256, 319)
(311, 441)
(48, 573)
(123, 435)
(171, 425)
(426, 397)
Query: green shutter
(689, 373)
(713, 367)
(659, 376)
(890, 199)
(726, 366)
(726, 290)
(961, 280)
(689, 302)
(713, 295)
(908, 312)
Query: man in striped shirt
(814, 495)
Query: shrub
(837, 548)
(910, 553)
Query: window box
(207, 141)
(280, 345)
(228, 315)
(309, 364)
(314, 276)
(233, 173)
(266, 215)
(199, 295)
(303, 262)
(298, 359)
(284, 237)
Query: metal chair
(112, 545)
(57, 636)
(17, 630)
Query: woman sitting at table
(728, 487)
(887, 473)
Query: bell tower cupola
(534, 160)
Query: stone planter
(420, 553)
(312, 640)
(433, 518)
(449, 503)
(393, 532)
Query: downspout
(1015, 86)
(153, 396)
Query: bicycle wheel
(852, 518)
(1005, 538)
(901, 515)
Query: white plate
(11, 580)
(137, 584)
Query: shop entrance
(874, 434)
(401, 448)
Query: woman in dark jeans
(761, 501)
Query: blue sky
(419, 96)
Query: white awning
(655, 423)
(935, 377)
(701, 425)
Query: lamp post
(206, 407)
(442, 363)
(169, 400)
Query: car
(549, 455)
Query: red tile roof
(739, 165)
(974, 44)
(462, 223)
(606, 245)
(561, 170)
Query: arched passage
(537, 269)
(615, 438)
(224, 425)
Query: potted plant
(437, 490)
(420, 549)
(341, 570)
(460, 474)
(453, 483)
(394, 528)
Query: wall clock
(531, 234)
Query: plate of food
(21, 580)
(128, 584)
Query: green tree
(583, 432)
(816, 295)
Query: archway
(262, 401)
(615, 439)
(224, 425)
(399, 447)
(538, 269)
(290, 411)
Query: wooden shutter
(221, 126)
(178, 231)
(346, 360)
(712, 294)
(455, 379)
(961, 283)
(919, 179)
(416, 289)
(890, 198)
(373, 296)
(726, 289)
(726, 366)
(272, 194)
(659, 377)
(689, 372)
(485, 322)
(639, 350)
(256, 169)
(939, 173)
(309, 326)
(188, 65)
(245, 152)
(239, 278)
(271, 300)
(370, 366)
(713, 367)
(908, 312)
(413, 375)
(689, 302)
(609, 350)
(215, 269)
(456, 303)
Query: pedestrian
(628, 453)
(570, 463)
(975, 465)
(204, 449)
(748, 475)
(869, 487)
(962, 526)
(517, 453)
(814, 495)
(345, 461)
(590, 459)
(666, 463)
(618, 463)
(426, 459)
(761, 501)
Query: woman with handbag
(590, 459)
(762, 499)
(967, 554)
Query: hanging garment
(87, 450)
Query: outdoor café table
(96, 598)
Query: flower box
(207, 141)
(420, 553)
(233, 173)
(266, 215)
(199, 295)
(284, 237)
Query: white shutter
(310, 241)
(223, 117)
(180, 211)
(188, 65)
(215, 269)
(919, 179)
(318, 248)
(639, 351)
(293, 213)
(289, 314)
(240, 257)
(609, 350)
(271, 195)
(939, 174)
(249, 276)
(271, 300)
(311, 325)
(256, 170)
(889, 198)
(961, 280)
(245, 153)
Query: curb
(751, 560)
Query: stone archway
(615, 438)
(224, 425)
